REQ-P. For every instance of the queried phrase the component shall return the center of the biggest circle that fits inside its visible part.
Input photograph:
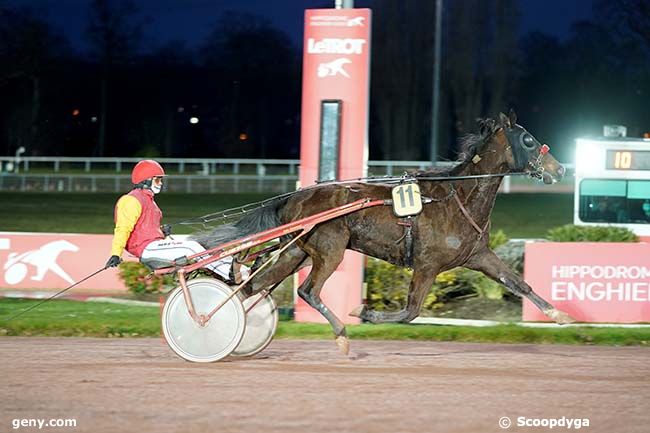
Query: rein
(537, 173)
(240, 211)
(472, 176)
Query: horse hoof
(358, 312)
(560, 317)
(344, 344)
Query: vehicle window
(615, 201)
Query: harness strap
(407, 223)
(470, 219)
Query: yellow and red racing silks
(127, 212)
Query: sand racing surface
(139, 385)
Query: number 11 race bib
(407, 200)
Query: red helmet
(146, 169)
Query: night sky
(191, 20)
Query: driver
(137, 224)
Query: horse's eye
(528, 142)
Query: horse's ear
(504, 120)
(513, 117)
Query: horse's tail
(258, 220)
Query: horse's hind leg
(326, 252)
(492, 266)
(418, 289)
(288, 263)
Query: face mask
(156, 186)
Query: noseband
(537, 167)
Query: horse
(451, 230)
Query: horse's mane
(470, 144)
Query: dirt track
(138, 385)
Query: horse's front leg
(492, 266)
(420, 284)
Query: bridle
(518, 136)
(538, 168)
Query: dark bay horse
(452, 230)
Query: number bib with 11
(407, 200)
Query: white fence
(190, 175)
(202, 166)
(120, 183)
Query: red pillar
(336, 66)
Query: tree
(255, 73)
(598, 76)
(480, 70)
(165, 98)
(29, 49)
(481, 59)
(402, 60)
(635, 15)
(113, 36)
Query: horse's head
(525, 153)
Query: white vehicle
(612, 183)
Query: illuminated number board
(628, 160)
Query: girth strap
(407, 223)
(470, 219)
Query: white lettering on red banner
(336, 21)
(335, 46)
(576, 289)
(604, 272)
(593, 282)
(598, 291)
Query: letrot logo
(354, 22)
(333, 68)
(335, 46)
(43, 259)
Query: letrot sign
(334, 134)
(593, 282)
(51, 261)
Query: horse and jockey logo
(333, 68)
(356, 22)
(43, 259)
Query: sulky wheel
(261, 324)
(219, 337)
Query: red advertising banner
(336, 66)
(593, 282)
(50, 261)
